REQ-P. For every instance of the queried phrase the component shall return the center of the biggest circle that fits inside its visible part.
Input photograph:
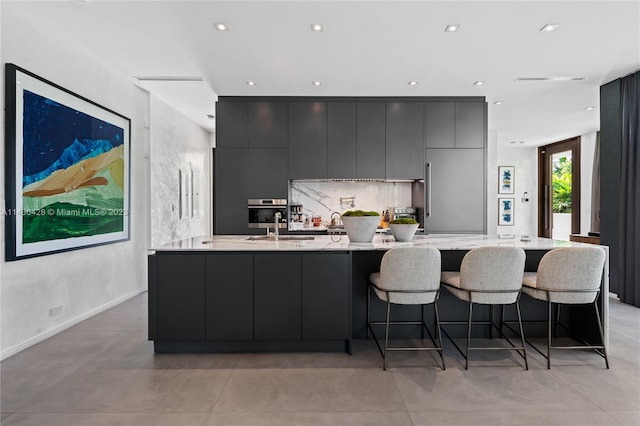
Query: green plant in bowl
(360, 213)
(403, 221)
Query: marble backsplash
(324, 197)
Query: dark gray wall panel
(439, 124)
(268, 124)
(610, 152)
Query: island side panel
(229, 296)
(152, 299)
(181, 297)
(277, 296)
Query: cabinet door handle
(427, 188)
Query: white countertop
(342, 243)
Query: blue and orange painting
(73, 172)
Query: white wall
(525, 160)
(83, 281)
(176, 143)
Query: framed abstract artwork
(506, 175)
(66, 169)
(505, 211)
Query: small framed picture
(506, 175)
(505, 211)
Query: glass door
(559, 196)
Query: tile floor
(103, 372)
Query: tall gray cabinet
(455, 167)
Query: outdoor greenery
(561, 177)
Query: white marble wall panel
(323, 198)
(177, 144)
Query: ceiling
(366, 49)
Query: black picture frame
(67, 169)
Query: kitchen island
(307, 293)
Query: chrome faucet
(277, 219)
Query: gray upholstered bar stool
(408, 276)
(568, 275)
(488, 276)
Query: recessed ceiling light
(317, 83)
(478, 83)
(497, 103)
(589, 108)
(316, 27)
(413, 83)
(251, 83)
(18, 82)
(220, 26)
(451, 28)
(211, 116)
(549, 27)
(521, 142)
(512, 142)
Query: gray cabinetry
(307, 140)
(325, 296)
(404, 140)
(232, 125)
(267, 173)
(180, 297)
(277, 296)
(229, 296)
(370, 140)
(470, 119)
(341, 139)
(268, 124)
(231, 190)
(455, 191)
(439, 124)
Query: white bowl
(403, 232)
(360, 229)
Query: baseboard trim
(44, 336)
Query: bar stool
(488, 276)
(408, 276)
(568, 275)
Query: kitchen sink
(281, 238)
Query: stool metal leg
(466, 360)
(549, 306)
(368, 312)
(604, 349)
(524, 348)
(439, 333)
(386, 337)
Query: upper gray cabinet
(439, 124)
(370, 140)
(470, 128)
(404, 140)
(268, 124)
(307, 140)
(341, 139)
(232, 125)
(267, 173)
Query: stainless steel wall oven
(262, 212)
